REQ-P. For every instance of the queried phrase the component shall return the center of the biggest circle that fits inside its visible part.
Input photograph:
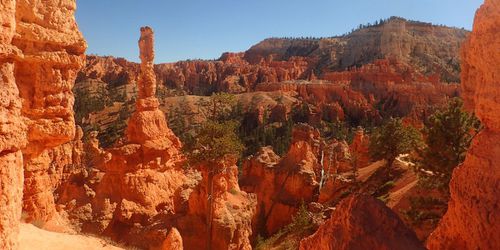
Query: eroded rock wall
(473, 219)
(41, 52)
(281, 184)
(12, 132)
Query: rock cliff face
(41, 53)
(473, 219)
(282, 184)
(327, 98)
(231, 73)
(397, 86)
(13, 135)
(429, 48)
(362, 222)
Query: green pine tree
(449, 132)
(392, 139)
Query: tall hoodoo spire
(147, 79)
(148, 125)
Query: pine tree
(392, 139)
(449, 132)
(215, 145)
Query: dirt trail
(32, 237)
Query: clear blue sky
(189, 29)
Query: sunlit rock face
(473, 218)
(41, 52)
(148, 125)
(281, 184)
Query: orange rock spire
(148, 125)
(147, 79)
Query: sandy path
(33, 238)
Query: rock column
(53, 48)
(148, 125)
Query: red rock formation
(148, 125)
(139, 190)
(41, 49)
(231, 73)
(323, 94)
(173, 241)
(336, 159)
(473, 219)
(359, 148)
(12, 132)
(398, 86)
(362, 222)
(113, 71)
(45, 78)
(282, 184)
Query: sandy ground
(404, 184)
(33, 238)
(365, 173)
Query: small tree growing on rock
(392, 139)
(215, 145)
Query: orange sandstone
(473, 219)
(362, 222)
(41, 51)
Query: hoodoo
(148, 125)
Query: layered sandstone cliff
(473, 219)
(433, 51)
(41, 53)
(430, 48)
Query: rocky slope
(362, 222)
(41, 53)
(282, 184)
(431, 50)
(309, 173)
(473, 219)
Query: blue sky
(189, 29)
